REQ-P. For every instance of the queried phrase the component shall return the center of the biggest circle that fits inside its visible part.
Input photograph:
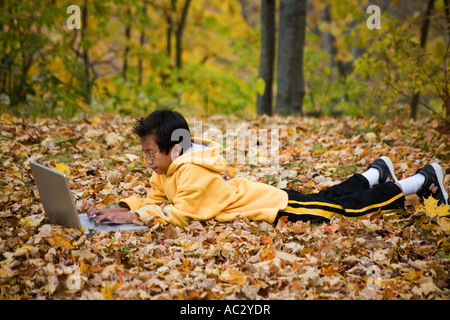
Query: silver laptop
(59, 205)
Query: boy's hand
(115, 215)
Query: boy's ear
(176, 151)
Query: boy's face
(157, 160)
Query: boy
(186, 184)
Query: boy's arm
(156, 196)
(200, 195)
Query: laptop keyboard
(107, 225)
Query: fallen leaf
(425, 287)
(60, 241)
(113, 139)
(61, 168)
(96, 120)
(233, 276)
(107, 292)
(170, 232)
(286, 256)
(330, 270)
(114, 177)
(332, 228)
(412, 275)
(268, 253)
(32, 221)
(444, 223)
(431, 208)
(48, 143)
(131, 157)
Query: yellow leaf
(22, 250)
(260, 86)
(431, 208)
(32, 221)
(107, 292)
(233, 276)
(59, 240)
(16, 174)
(96, 120)
(83, 267)
(109, 199)
(61, 168)
(412, 275)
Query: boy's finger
(92, 210)
(99, 218)
(93, 213)
(104, 216)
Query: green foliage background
(42, 72)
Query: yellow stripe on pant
(328, 210)
(317, 212)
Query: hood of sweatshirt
(203, 152)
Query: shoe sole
(390, 166)
(440, 176)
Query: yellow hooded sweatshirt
(194, 189)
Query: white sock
(372, 175)
(412, 184)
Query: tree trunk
(291, 40)
(141, 43)
(179, 34)
(127, 46)
(447, 16)
(266, 64)
(85, 56)
(169, 31)
(423, 41)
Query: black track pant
(351, 198)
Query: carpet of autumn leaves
(403, 255)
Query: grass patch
(65, 157)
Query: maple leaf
(431, 208)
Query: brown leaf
(170, 232)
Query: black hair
(162, 123)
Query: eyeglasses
(151, 155)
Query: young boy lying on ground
(187, 184)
